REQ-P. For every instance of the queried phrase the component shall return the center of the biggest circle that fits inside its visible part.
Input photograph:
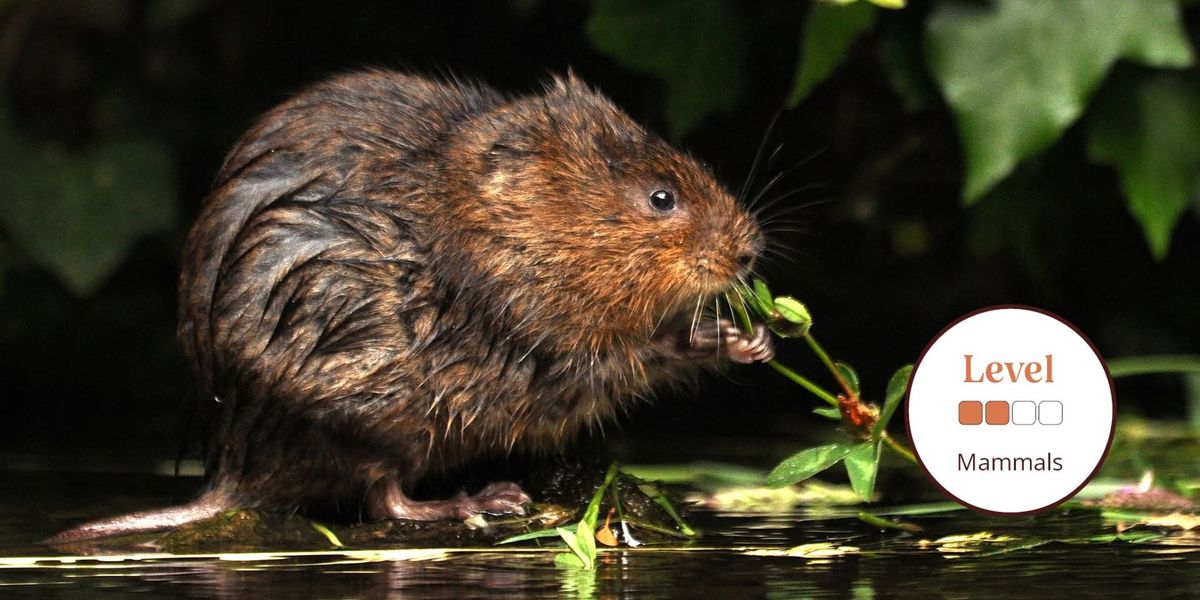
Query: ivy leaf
(829, 31)
(805, 464)
(1150, 131)
(1017, 73)
(78, 215)
(862, 463)
(896, 388)
(697, 48)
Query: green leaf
(652, 491)
(849, 375)
(532, 535)
(829, 412)
(573, 542)
(882, 523)
(569, 561)
(902, 60)
(1149, 129)
(1017, 73)
(890, 4)
(896, 388)
(805, 464)
(862, 462)
(328, 533)
(585, 535)
(764, 295)
(792, 310)
(78, 215)
(828, 32)
(696, 47)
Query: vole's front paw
(756, 347)
(724, 337)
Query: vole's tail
(207, 505)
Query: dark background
(887, 257)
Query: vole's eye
(662, 200)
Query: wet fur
(394, 276)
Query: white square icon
(1024, 412)
(1050, 412)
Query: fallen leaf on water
(966, 543)
(809, 551)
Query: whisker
(695, 321)
(775, 200)
(717, 321)
(758, 155)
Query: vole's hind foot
(500, 498)
(388, 501)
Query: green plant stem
(898, 448)
(804, 382)
(1163, 363)
(833, 370)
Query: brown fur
(395, 275)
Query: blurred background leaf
(77, 215)
(829, 30)
(1019, 72)
(1149, 129)
(696, 47)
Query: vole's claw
(723, 337)
(758, 347)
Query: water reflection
(1021, 559)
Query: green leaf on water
(585, 535)
(696, 47)
(829, 412)
(883, 523)
(829, 30)
(1017, 73)
(569, 561)
(78, 214)
(849, 375)
(806, 463)
(896, 388)
(1149, 129)
(586, 559)
(862, 463)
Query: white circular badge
(1010, 410)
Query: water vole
(395, 275)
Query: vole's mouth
(704, 308)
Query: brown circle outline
(1112, 390)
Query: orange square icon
(970, 412)
(997, 412)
